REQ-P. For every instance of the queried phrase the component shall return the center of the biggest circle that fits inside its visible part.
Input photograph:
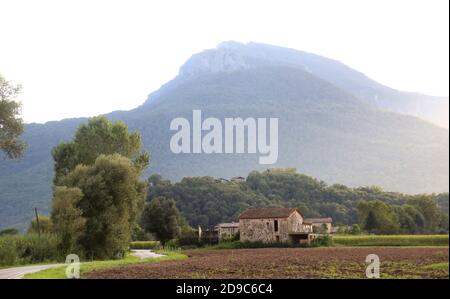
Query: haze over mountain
(335, 124)
(232, 56)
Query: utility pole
(37, 222)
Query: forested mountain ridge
(206, 201)
(325, 131)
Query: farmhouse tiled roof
(256, 213)
(319, 220)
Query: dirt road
(20, 272)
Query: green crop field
(391, 240)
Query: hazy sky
(83, 58)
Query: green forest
(206, 201)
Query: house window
(277, 238)
(275, 225)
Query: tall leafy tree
(378, 217)
(429, 209)
(371, 224)
(162, 218)
(104, 161)
(11, 125)
(99, 136)
(112, 198)
(410, 219)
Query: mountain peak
(231, 44)
(227, 57)
(230, 56)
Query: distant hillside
(325, 130)
(206, 201)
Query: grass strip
(86, 267)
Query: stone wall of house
(254, 230)
(295, 222)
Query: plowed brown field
(291, 263)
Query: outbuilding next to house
(227, 230)
(322, 223)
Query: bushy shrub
(232, 238)
(322, 241)
(355, 230)
(174, 243)
(139, 234)
(209, 238)
(189, 238)
(322, 229)
(29, 248)
(8, 252)
(36, 249)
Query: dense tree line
(206, 201)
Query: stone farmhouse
(275, 225)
